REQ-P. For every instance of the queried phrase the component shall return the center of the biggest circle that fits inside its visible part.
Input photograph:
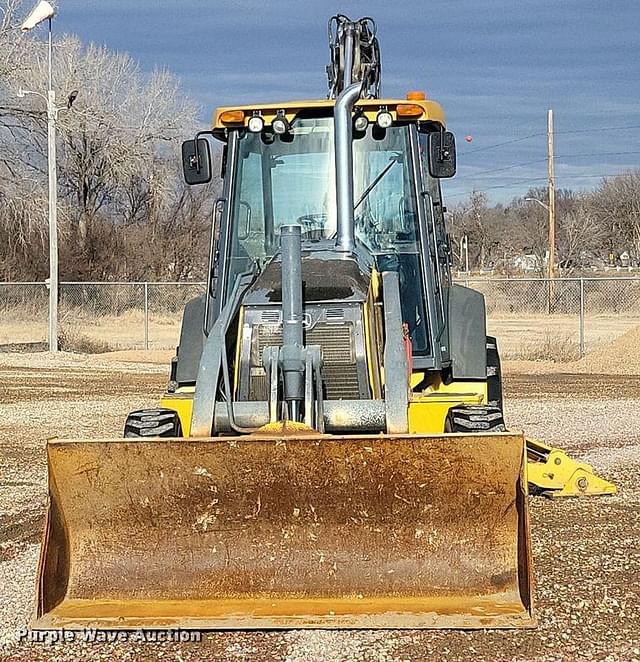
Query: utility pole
(552, 211)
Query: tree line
(594, 229)
(124, 211)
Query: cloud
(496, 66)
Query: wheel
(474, 418)
(494, 373)
(153, 423)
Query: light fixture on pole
(43, 11)
(539, 202)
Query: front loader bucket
(255, 532)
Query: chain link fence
(24, 314)
(532, 318)
(96, 317)
(559, 319)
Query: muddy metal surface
(587, 553)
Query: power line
(509, 167)
(506, 142)
(559, 156)
(567, 132)
(537, 179)
(604, 128)
(573, 156)
(490, 188)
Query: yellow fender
(554, 474)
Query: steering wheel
(313, 225)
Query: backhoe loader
(331, 451)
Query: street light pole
(44, 11)
(551, 249)
(552, 196)
(52, 112)
(552, 207)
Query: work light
(280, 124)
(384, 119)
(256, 123)
(361, 123)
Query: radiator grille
(339, 373)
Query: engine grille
(339, 373)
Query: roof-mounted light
(384, 119)
(360, 123)
(409, 110)
(256, 123)
(280, 124)
(232, 117)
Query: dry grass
(554, 347)
(517, 330)
(72, 340)
(115, 332)
(532, 337)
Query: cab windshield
(290, 179)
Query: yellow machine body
(286, 527)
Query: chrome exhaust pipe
(343, 136)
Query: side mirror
(196, 165)
(442, 154)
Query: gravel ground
(586, 552)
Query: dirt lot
(587, 552)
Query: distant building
(527, 262)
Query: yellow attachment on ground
(374, 531)
(555, 474)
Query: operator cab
(280, 170)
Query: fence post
(146, 315)
(582, 352)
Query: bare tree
(123, 208)
(616, 204)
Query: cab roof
(421, 110)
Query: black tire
(494, 373)
(153, 423)
(470, 419)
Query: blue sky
(496, 67)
